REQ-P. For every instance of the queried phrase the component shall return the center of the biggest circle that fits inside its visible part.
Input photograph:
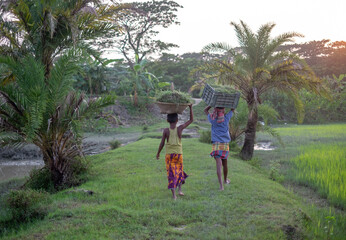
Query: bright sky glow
(206, 21)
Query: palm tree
(46, 112)
(47, 28)
(37, 102)
(256, 67)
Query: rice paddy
(323, 167)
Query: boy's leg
(218, 171)
(225, 171)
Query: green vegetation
(115, 144)
(324, 167)
(173, 97)
(313, 158)
(131, 201)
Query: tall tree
(140, 27)
(259, 67)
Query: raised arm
(162, 144)
(206, 110)
(181, 127)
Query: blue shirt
(220, 131)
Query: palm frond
(218, 47)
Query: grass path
(131, 201)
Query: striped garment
(175, 170)
(220, 150)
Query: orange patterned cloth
(175, 170)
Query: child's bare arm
(189, 121)
(206, 110)
(162, 144)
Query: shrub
(173, 97)
(233, 146)
(115, 144)
(205, 136)
(40, 179)
(27, 204)
(79, 168)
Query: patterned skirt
(220, 150)
(175, 170)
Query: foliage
(173, 97)
(326, 58)
(27, 204)
(256, 68)
(274, 173)
(176, 69)
(139, 29)
(205, 137)
(46, 112)
(317, 109)
(95, 77)
(47, 29)
(40, 179)
(115, 144)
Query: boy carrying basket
(220, 138)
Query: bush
(27, 204)
(233, 146)
(79, 168)
(40, 179)
(205, 136)
(115, 144)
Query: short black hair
(172, 117)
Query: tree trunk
(250, 134)
(59, 170)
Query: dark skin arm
(206, 110)
(162, 144)
(186, 124)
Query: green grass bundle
(173, 97)
(223, 89)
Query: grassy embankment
(131, 201)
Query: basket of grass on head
(173, 101)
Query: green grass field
(131, 199)
(323, 167)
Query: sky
(207, 21)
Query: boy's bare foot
(221, 189)
(175, 198)
(181, 194)
(228, 181)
